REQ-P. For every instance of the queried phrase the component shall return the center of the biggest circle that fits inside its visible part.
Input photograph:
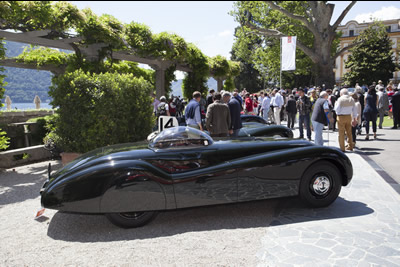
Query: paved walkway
(361, 228)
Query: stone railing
(22, 116)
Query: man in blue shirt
(238, 97)
(192, 112)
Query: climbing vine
(61, 17)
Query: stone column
(160, 77)
(8, 102)
(160, 82)
(220, 83)
(37, 102)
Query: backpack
(161, 111)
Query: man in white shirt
(379, 85)
(265, 106)
(260, 100)
(277, 103)
(345, 108)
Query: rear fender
(291, 163)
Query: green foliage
(101, 109)
(261, 53)
(219, 66)
(4, 140)
(44, 125)
(197, 79)
(371, 59)
(43, 56)
(104, 29)
(38, 15)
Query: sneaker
(393, 127)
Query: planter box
(67, 157)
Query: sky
(208, 25)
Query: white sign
(288, 50)
(167, 122)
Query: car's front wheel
(131, 219)
(320, 184)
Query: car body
(252, 126)
(184, 167)
(253, 118)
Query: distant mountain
(24, 84)
(177, 86)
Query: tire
(131, 219)
(317, 194)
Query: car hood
(102, 154)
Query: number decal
(170, 122)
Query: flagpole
(280, 71)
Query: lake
(25, 106)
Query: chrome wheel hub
(321, 185)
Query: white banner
(288, 51)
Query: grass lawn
(387, 122)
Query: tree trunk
(325, 64)
(325, 75)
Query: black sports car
(184, 167)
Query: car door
(205, 179)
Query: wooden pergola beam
(36, 38)
(11, 62)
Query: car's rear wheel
(131, 219)
(320, 184)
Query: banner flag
(288, 53)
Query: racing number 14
(170, 122)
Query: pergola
(41, 38)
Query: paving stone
(384, 251)
(308, 250)
(341, 251)
(299, 260)
(379, 261)
(326, 243)
(346, 262)
(357, 254)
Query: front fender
(89, 190)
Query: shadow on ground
(21, 185)
(96, 228)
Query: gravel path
(218, 236)
(361, 228)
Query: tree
(308, 20)
(371, 58)
(249, 78)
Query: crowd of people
(313, 107)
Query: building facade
(351, 30)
